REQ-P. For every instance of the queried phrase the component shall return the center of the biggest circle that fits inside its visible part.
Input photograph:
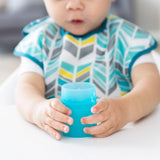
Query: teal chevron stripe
(58, 44)
(100, 75)
(54, 62)
(103, 38)
(100, 67)
(99, 81)
(141, 35)
(68, 67)
(112, 82)
(49, 73)
(87, 80)
(98, 86)
(127, 29)
(122, 40)
(80, 68)
(48, 42)
(61, 82)
(123, 83)
(137, 49)
(111, 75)
(100, 43)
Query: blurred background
(15, 14)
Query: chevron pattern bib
(104, 57)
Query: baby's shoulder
(45, 26)
(118, 23)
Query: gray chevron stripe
(51, 85)
(86, 51)
(111, 61)
(119, 67)
(56, 52)
(46, 49)
(99, 87)
(111, 43)
(100, 53)
(50, 93)
(126, 71)
(82, 77)
(50, 35)
(104, 33)
(59, 88)
(112, 89)
(101, 62)
(58, 39)
(65, 79)
(71, 48)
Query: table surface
(20, 140)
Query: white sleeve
(146, 58)
(28, 65)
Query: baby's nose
(74, 5)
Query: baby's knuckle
(48, 121)
(101, 117)
(55, 103)
(53, 113)
(102, 103)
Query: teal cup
(80, 97)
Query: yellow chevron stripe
(83, 71)
(88, 41)
(123, 94)
(65, 74)
(72, 39)
(112, 16)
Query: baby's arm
(47, 114)
(117, 112)
(145, 95)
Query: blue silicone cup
(79, 97)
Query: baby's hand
(50, 115)
(109, 115)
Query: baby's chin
(78, 33)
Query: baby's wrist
(37, 107)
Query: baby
(81, 42)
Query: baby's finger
(96, 118)
(52, 132)
(99, 129)
(105, 134)
(58, 116)
(57, 105)
(57, 125)
(102, 105)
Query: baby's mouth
(77, 22)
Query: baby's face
(78, 16)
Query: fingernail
(93, 110)
(57, 137)
(85, 130)
(69, 121)
(83, 121)
(69, 112)
(65, 129)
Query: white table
(20, 140)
